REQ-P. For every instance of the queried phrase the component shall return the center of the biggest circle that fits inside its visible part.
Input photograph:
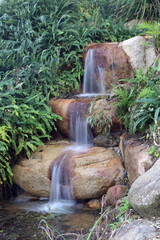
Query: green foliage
(140, 106)
(42, 42)
(96, 223)
(25, 120)
(125, 100)
(98, 118)
(154, 151)
(152, 29)
(137, 9)
(5, 169)
(125, 206)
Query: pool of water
(20, 220)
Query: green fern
(140, 106)
(152, 29)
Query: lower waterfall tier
(92, 172)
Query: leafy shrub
(5, 169)
(140, 106)
(153, 29)
(25, 120)
(98, 118)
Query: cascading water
(79, 128)
(92, 72)
(61, 194)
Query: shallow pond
(19, 220)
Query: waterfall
(61, 193)
(80, 131)
(92, 73)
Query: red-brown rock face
(136, 158)
(66, 107)
(115, 193)
(112, 60)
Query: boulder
(94, 204)
(32, 174)
(136, 230)
(106, 141)
(112, 61)
(139, 53)
(121, 60)
(115, 193)
(136, 158)
(92, 171)
(144, 194)
(95, 171)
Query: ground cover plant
(41, 46)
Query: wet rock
(103, 141)
(65, 108)
(69, 107)
(94, 203)
(139, 54)
(113, 62)
(136, 230)
(95, 172)
(136, 158)
(121, 60)
(92, 172)
(33, 175)
(115, 193)
(144, 194)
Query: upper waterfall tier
(93, 81)
(105, 65)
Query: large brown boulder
(95, 171)
(33, 175)
(112, 60)
(92, 172)
(136, 158)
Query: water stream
(93, 81)
(61, 193)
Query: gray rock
(144, 194)
(103, 141)
(139, 54)
(136, 230)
